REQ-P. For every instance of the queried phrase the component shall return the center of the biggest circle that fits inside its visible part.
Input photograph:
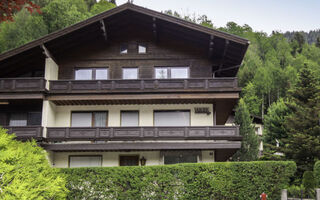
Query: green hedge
(230, 180)
(316, 171)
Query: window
(89, 119)
(142, 48)
(129, 160)
(101, 74)
(85, 161)
(91, 74)
(175, 159)
(34, 118)
(124, 48)
(18, 119)
(25, 119)
(171, 72)
(129, 118)
(172, 118)
(161, 72)
(130, 73)
(83, 74)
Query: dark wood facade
(26, 132)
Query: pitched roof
(240, 43)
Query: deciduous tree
(9, 7)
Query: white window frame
(100, 160)
(169, 72)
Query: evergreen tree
(302, 125)
(318, 42)
(274, 130)
(25, 172)
(249, 146)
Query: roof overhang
(228, 50)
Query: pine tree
(302, 125)
(249, 145)
(274, 130)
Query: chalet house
(130, 86)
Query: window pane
(100, 119)
(130, 118)
(175, 159)
(124, 48)
(130, 73)
(83, 74)
(179, 72)
(172, 118)
(142, 48)
(18, 119)
(81, 120)
(85, 161)
(101, 74)
(161, 72)
(34, 118)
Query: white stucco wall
(63, 113)
(111, 159)
(51, 71)
(48, 115)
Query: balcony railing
(22, 84)
(26, 132)
(143, 133)
(143, 85)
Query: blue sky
(266, 15)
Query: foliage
(101, 6)
(9, 7)
(24, 29)
(249, 145)
(25, 172)
(316, 171)
(308, 182)
(274, 130)
(59, 14)
(231, 180)
(302, 125)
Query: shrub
(25, 172)
(220, 181)
(316, 171)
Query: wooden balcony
(26, 132)
(144, 85)
(143, 133)
(13, 85)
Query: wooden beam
(226, 45)
(104, 31)
(47, 53)
(226, 69)
(154, 29)
(211, 44)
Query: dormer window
(124, 48)
(91, 74)
(142, 48)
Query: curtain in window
(18, 119)
(130, 118)
(85, 161)
(100, 119)
(172, 118)
(83, 74)
(81, 120)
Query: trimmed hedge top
(220, 181)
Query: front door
(129, 160)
